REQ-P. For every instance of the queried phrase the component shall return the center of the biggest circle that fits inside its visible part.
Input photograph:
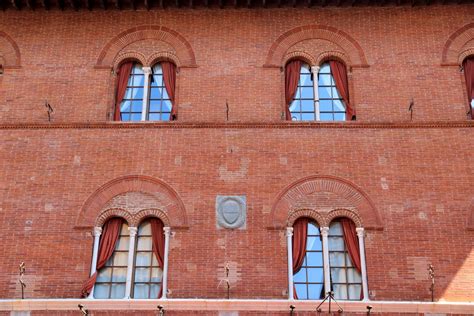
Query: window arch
(327, 259)
(145, 93)
(324, 99)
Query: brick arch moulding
(323, 198)
(351, 48)
(9, 52)
(184, 54)
(169, 207)
(458, 46)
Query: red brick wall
(419, 178)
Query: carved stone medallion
(231, 211)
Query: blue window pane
(326, 117)
(166, 106)
(138, 80)
(137, 106)
(155, 93)
(295, 117)
(325, 69)
(295, 106)
(335, 93)
(307, 105)
(155, 289)
(339, 116)
(137, 69)
(325, 105)
(165, 116)
(300, 276)
(154, 117)
(135, 117)
(313, 243)
(324, 80)
(307, 93)
(315, 275)
(125, 106)
(313, 229)
(137, 93)
(339, 106)
(315, 291)
(125, 117)
(128, 93)
(315, 259)
(324, 92)
(165, 93)
(155, 105)
(307, 116)
(301, 291)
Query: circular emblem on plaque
(231, 211)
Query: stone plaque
(231, 211)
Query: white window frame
(326, 267)
(131, 252)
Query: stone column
(327, 278)
(315, 72)
(95, 253)
(289, 244)
(164, 291)
(131, 251)
(146, 91)
(365, 289)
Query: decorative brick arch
(9, 52)
(350, 47)
(184, 52)
(113, 212)
(140, 216)
(456, 47)
(328, 196)
(168, 201)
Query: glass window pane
(124, 230)
(125, 106)
(104, 275)
(313, 243)
(166, 106)
(155, 93)
(119, 275)
(141, 291)
(128, 93)
(155, 290)
(340, 291)
(155, 105)
(157, 80)
(165, 116)
(143, 259)
(353, 276)
(137, 106)
(300, 276)
(144, 229)
(307, 106)
(136, 117)
(325, 105)
(120, 258)
(137, 69)
(326, 117)
(339, 116)
(101, 291)
(155, 261)
(355, 292)
(123, 243)
(156, 275)
(313, 229)
(138, 93)
(336, 259)
(315, 291)
(325, 68)
(335, 229)
(295, 106)
(339, 106)
(307, 93)
(315, 275)
(315, 259)
(144, 243)
(142, 275)
(295, 117)
(118, 291)
(154, 116)
(335, 93)
(324, 80)
(338, 275)
(157, 69)
(165, 93)
(301, 291)
(138, 80)
(336, 243)
(307, 117)
(125, 117)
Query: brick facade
(409, 183)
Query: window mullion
(131, 252)
(315, 72)
(146, 92)
(289, 245)
(365, 289)
(326, 267)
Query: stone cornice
(240, 125)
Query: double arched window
(317, 93)
(145, 93)
(327, 259)
(130, 261)
(468, 66)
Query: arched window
(144, 93)
(148, 272)
(325, 99)
(112, 277)
(329, 252)
(468, 67)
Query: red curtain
(352, 241)
(300, 233)
(123, 74)
(169, 78)
(339, 73)
(158, 239)
(468, 66)
(292, 77)
(108, 240)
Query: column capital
(167, 230)
(146, 70)
(324, 231)
(315, 69)
(360, 231)
(289, 231)
(97, 231)
(133, 231)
